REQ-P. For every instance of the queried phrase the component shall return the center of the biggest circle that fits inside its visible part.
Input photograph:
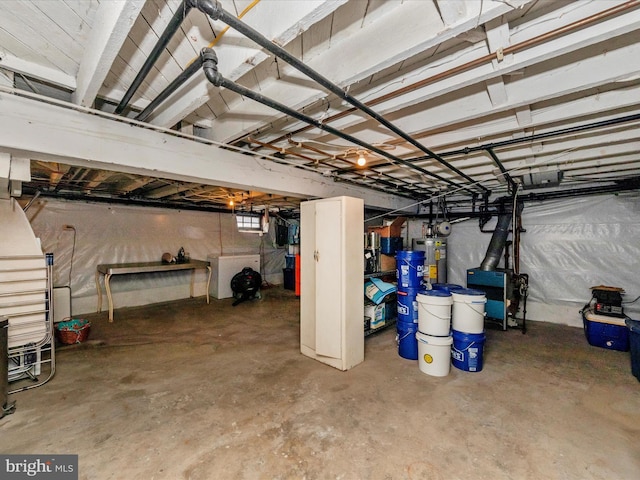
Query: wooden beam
(52, 133)
(33, 70)
(115, 19)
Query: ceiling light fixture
(361, 159)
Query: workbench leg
(99, 290)
(107, 287)
(193, 275)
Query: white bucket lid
(469, 296)
(431, 340)
(435, 297)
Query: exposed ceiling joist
(105, 41)
(455, 91)
(282, 27)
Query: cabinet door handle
(316, 256)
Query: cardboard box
(391, 230)
(387, 263)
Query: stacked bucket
(409, 273)
(434, 332)
(468, 329)
(441, 326)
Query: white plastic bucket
(468, 310)
(434, 312)
(434, 354)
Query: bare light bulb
(231, 202)
(361, 160)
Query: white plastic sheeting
(569, 246)
(83, 235)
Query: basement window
(249, 223)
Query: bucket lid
(435, 293)
(410, 253)
(446, 286)
(468, 291)
(431, 340)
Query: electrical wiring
(632, 301)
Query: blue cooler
(605, 331)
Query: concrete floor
(185, 390)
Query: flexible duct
(497, 243)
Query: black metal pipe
(216, 12)
(619, 186)
(537, 136)
(503, 170)
(175, 22)
(175, 205)
(210, 67)
(172, 87)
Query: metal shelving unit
(388, 323)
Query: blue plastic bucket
(447, 287)
(467, 351)
(408, 305)
(409, 268)
(406, 338)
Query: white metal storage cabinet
(331, 288)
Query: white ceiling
(484, 92)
